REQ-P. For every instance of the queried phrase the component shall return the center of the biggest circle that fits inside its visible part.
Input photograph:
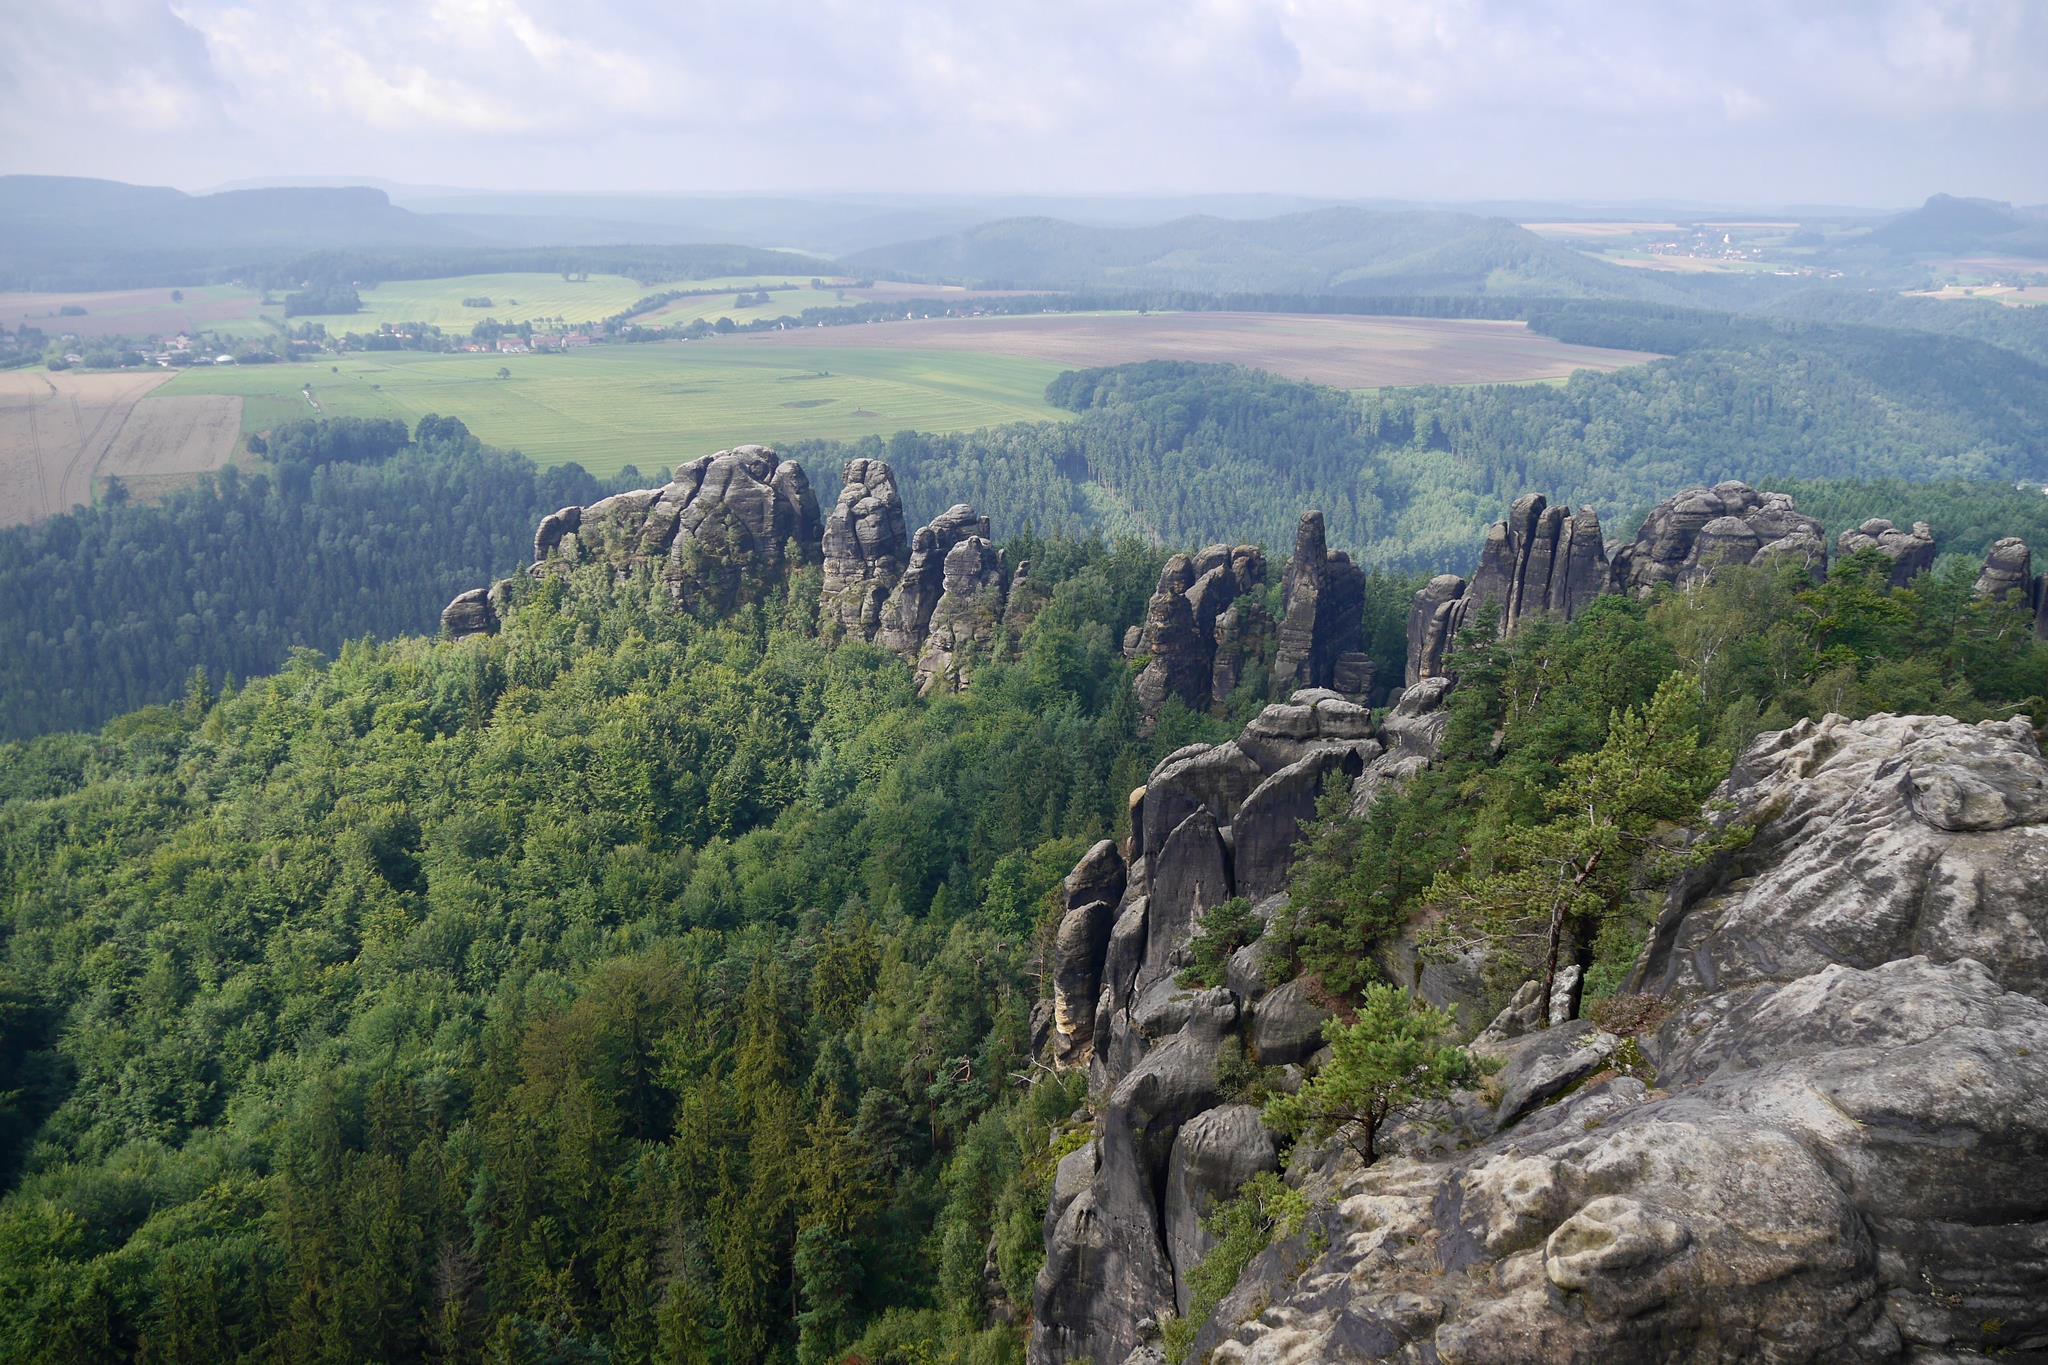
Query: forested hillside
(350, 531)
(1328, 250)
(1190, 454)
(628, 984)
(623, 985)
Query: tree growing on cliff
(1560, 878)
(1391, 1056)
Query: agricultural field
(63, 435)
(514, 298)
(140, 312)
(2011, 295)
(1345, 352)
(647, 405)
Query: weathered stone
(1842, 1159)
(1911, 553)
(1214, 1153)
(1193, 639)
(974, 589)
(1287, 1026)
(718, 534)
(470, 613)
(865, 549)
(1685, 537)
(1540, 559)
(1267, 826)
(1190, 878)
(2008, 570)
(1106, 1268)
(1323, 597)
(1542, 1065)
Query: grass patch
(647, 405)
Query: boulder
(1287, 1026)
(1911, 552)
(470, 613)
(1214, 1153)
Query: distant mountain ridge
(59, 232)
(1949, 223)
(1328, 250)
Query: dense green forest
(621, 985)
(630, 985)
(350, 531)
(1189, 454)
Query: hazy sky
(1809, 101)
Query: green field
(649, 405)
(533, 297)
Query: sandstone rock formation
(864, 551)
(1322, 612)
(1685, 537)
(470, 613)
(2008, 570)
(1911, 552)
(719, 533)
(730, 527)
(1829, 1150)
(1194, 638)
(1539, 559)
(1212, 822)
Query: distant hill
(1330, 250)
(1946, 223)
(63, 233)
(57, 232)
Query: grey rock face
(974, 589)
(1194, 639)
(470, 613)
(1911, 552)
(1093, 890)
(719, 533)
(1214, 1153)
(1107, 1268)
(1840, 1159)
(1323, 596)
(1287, 1026)
(1685, 537)
(2008, 570)
(865, 549)
(1212, 822)
(1540, 559)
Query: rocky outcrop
(1911, 552)
(864, 550)
(1830, 1149)
(1322, 613)
(2009, 571)
(1212, 822)
(730, 527)
(1686, 537)
(1194, 638)
(726, 529)
(1540, 559)
(470, 613)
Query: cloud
(650, 92)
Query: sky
(1857, 102)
